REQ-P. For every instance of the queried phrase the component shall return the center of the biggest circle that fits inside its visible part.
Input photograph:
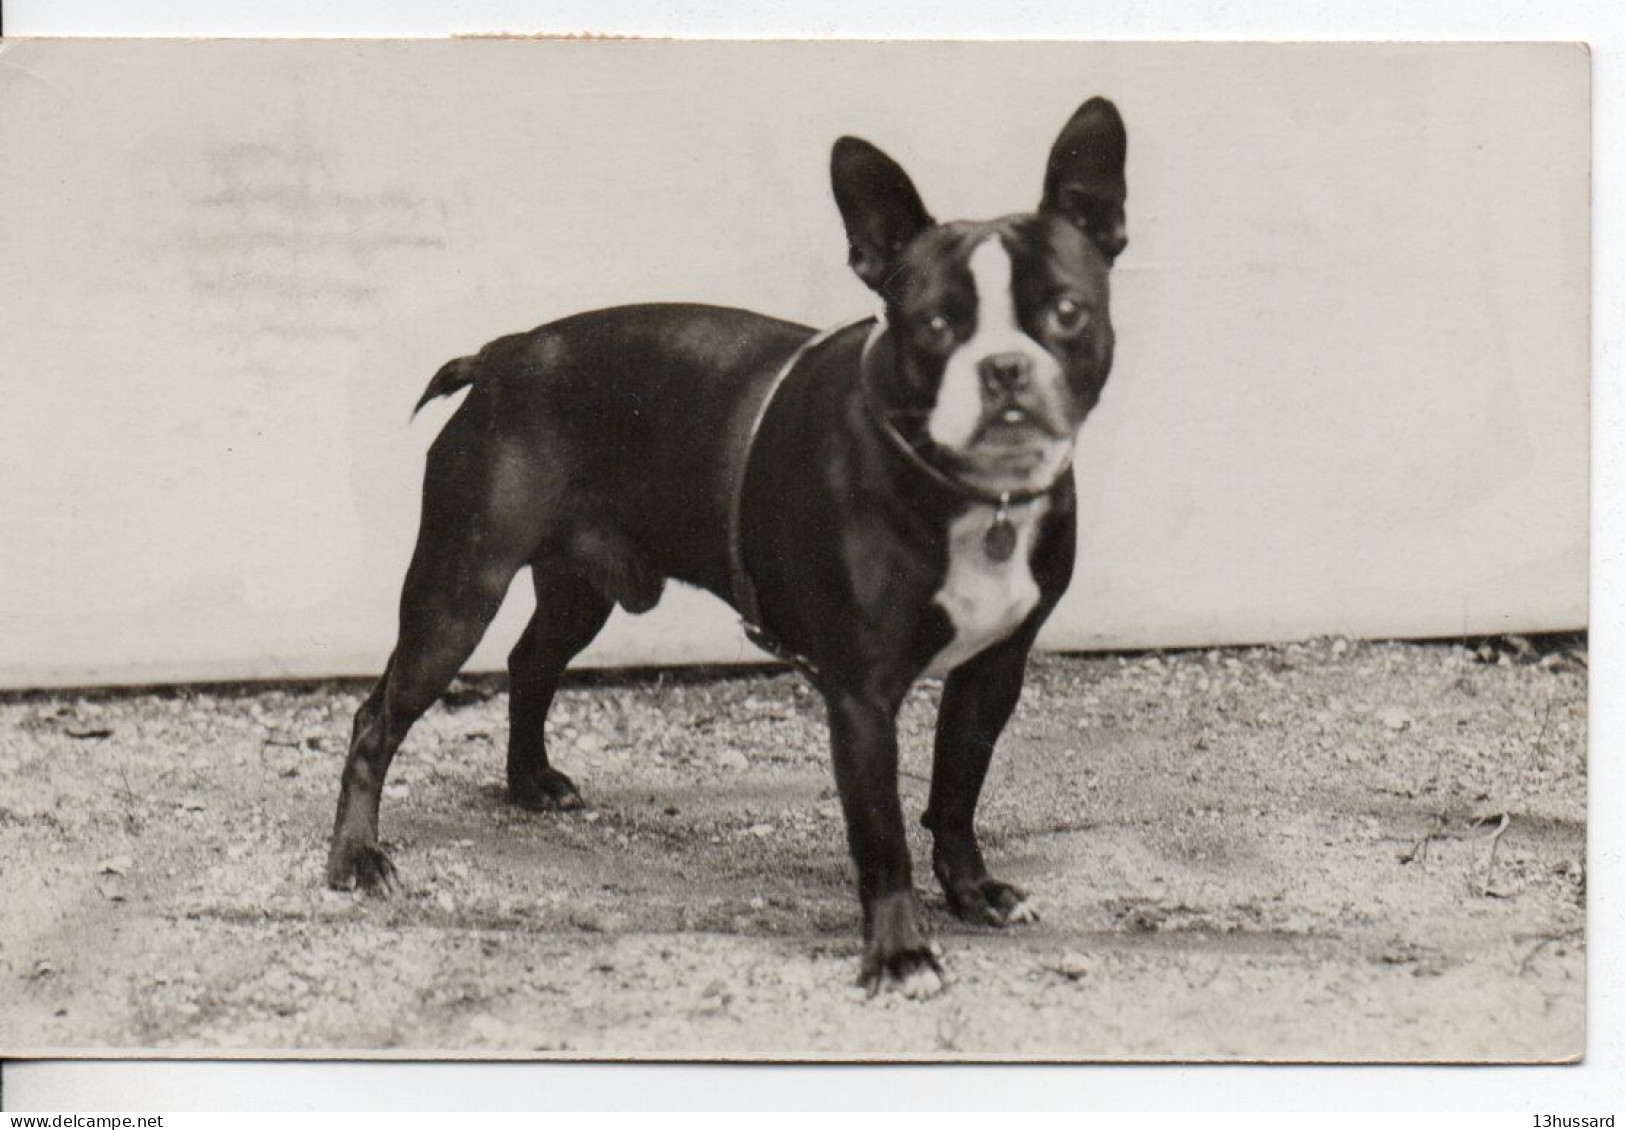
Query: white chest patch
(986, 600)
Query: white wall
(1351, 387)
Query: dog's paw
(990, 902)
(917, 975)
(545, 791)
(899, 954)
(363, 867)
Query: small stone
(761, 830)
(1340, 647)
(116, 865)
(398, 791)
(733, 761)
(758, 903)
(445, 902)
(192, 804)
(589, 743)
(1074, 966)
(1394, 717)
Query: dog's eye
(938, 330)
(1068, 314)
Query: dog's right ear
(879, 205)
(1084, 182)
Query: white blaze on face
(958, 410)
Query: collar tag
(1000, 540)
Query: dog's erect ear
(1084, 182)
(879, 206)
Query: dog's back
(638, 407)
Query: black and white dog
(881, 501)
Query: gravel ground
(1286, 852)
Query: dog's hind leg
(570, 610)
(438, 633)
(576, 588)
(462, 566)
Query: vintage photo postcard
(794, 550)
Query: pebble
(761, 829)
(1394, 717)
(733, 761)
(1074, 965)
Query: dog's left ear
(1084, 182)
(879, 205)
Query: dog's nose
(1005, 372)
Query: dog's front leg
(897, 948)
(977, 701)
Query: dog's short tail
(452, 376)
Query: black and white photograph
(543, 549)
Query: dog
(882, 501)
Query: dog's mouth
(1014, 425)
(1014, 448)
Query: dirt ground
(1316, 851)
